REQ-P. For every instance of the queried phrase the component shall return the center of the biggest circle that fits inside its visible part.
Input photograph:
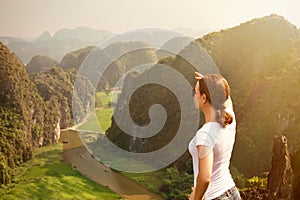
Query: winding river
(76, 154)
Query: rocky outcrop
(57, 132)
(280, 176)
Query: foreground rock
(281, 174)
(280, 177)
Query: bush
(258, 182)
(176, 186)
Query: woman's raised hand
(198, 75)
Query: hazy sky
(28, 18)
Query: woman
(212, 145)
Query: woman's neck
(210, 114)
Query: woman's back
(220, 140)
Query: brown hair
(217, 91)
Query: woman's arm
(204, 174)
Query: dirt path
(80, 159)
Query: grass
(104, 116)
(103, 113)
(151, 180)
(46, 176)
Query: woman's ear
(203, 98)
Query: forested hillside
(40, 63)
(32, 109)
(21, 114)
(55, 86)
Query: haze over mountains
(66, 40)
(56, 46)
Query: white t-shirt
(221, 140)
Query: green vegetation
(260, 60)
(40, 63)
(104, 118)
(258, 182)
(104, 112)
(21, 114)
(255, 182)
(151, 180)
(75, 58)
(56, 86)
(91, 124)
(176, 185)
(172, 184)
(46, 176)
(169, 182)
(31, 108)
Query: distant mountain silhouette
(83, 34)
(44, 37)
(7, 39)
(63, 42)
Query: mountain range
(63, 41)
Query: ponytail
(223, 117)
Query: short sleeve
(207, 142)
(204, 139)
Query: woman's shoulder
(208, 134)
(210, 128)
